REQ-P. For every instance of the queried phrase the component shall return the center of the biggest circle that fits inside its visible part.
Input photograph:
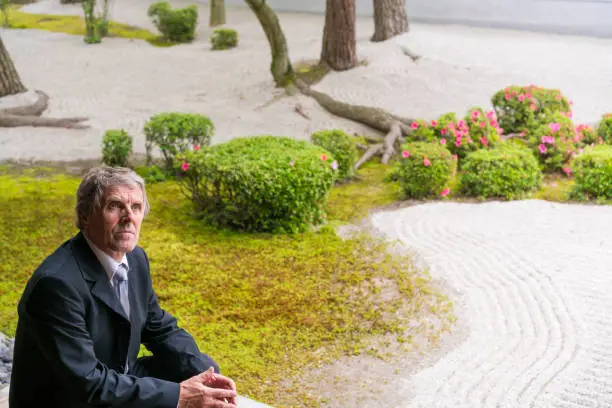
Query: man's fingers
(225, 381)
(220, 393)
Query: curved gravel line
(534, 277)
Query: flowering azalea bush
(260, 183)
(507, 171)
(425, 169)
(524, 109)
(175, 132)
(342, 147)
(604, 129)
(555, 143)
(478, 130)
(593, 173)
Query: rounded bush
(555, 142)
(176, 25)
(593, 173)
(175, 132)
(425, 169)
(224, 38)
(604, 129)
(342, 147)
(506, 171)
(260, 183)
(525, 108)
(116, 148)
(478, 130)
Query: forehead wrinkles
(124, 195)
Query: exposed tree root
(394, 126)
(29, 115)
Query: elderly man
(88, 307)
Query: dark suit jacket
(73, 337)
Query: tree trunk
(390, 19)
(281, 68)
(217, 13)
(339, 49)
(10, 83)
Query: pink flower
(475, 114)
(455, 157)
(571, 102)
(334, 165)
(445, 192)
(542, 148)
(490, 114)
(533, 107)
(414, 125)
(554, 184)
(555, 127)
(567, 170)
(291, 163)
(405, 154)
(521, 97)
(324, 157)
(558, 97)
(461, 123)
(548, 139)
(434, 123)
(442, 142)
(570, 115)
(482, 125)
(458, 142)
(185, 166)
(484, 141)
(426, 162)
(529, 96)
(196, 147)
(444, 131)
(508, 97)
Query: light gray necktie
(120, 284)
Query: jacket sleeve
(171, 344)
(56, 315)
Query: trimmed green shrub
(604, 129)
(506, 171)
(176, 25)
(116, 148)
(224, 38)
(260, 183)
(554, 143)
(425, 169)
(593, 173)
(175, 132)
(523, 109)
(342, 147)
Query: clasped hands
(208, 390)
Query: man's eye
(136, 207)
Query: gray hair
(91, 190)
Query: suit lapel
(95, 274)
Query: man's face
(115, 227)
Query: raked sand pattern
(535, 281)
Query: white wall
(588, 17)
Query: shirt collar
(108, 263)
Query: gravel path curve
(535, 279)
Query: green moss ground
(265, 306)
(75, 25)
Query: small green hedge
(425, 169)
(224, 39)
(593, 173)
(604, 129)
(524, 108)
(259, 183)
(175, 132)
(176, 25)
(507, 171)
(116, 148)
(342, 147)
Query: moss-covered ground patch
(264, 306)
(75, 25)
